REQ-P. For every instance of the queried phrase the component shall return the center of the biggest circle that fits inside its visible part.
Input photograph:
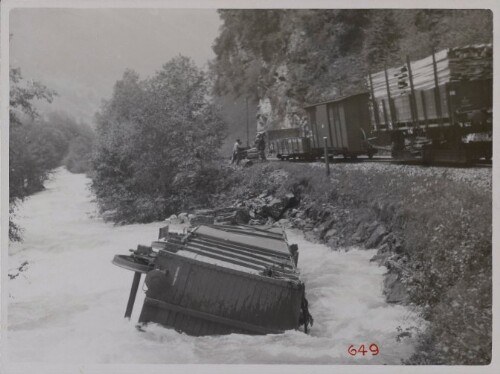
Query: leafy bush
(156, 145)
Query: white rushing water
(67, 304)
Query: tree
(75, 143)
(156, 140)
(22, 94)
(26, 158)
(381, 45)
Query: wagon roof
(246, 249)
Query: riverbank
(430, 226)
(72, 299)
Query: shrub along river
(66, 304)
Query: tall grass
(444, 226)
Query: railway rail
(389, 160)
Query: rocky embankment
(431, 228)
(343, 219)
(325, 224)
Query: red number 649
(373, 348)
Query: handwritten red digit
(372, 348)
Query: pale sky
(81, 53)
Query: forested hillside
(38, 145)
(283, 59)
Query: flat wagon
(286, 144)
(218, 279)
(442, 99)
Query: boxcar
(219, 279)
(344, 122)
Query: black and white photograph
(303, 187)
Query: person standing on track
(237, 151)
(260, 144)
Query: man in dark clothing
(260, 144)
(237, 152)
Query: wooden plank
(252, 328)
(436, 89)
(391, 112)
(270, 244)
(374, 103)
(287, 263)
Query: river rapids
(66, 303)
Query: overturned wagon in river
(216, 279)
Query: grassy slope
(442, 227)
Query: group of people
(240, 152)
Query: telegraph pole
(327, 161)
(248, 137)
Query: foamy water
(67, 305)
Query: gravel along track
(476, 177)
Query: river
(67, 303)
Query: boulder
(360, 234)
(270, 221)
(233, 216)
(376, 237)
(383, 254)
(311, 236)
(394, 290)
(299, 223)
(290, 200)
(329, 234)
(264, 194)
(284, 223)
(333, 242)
(274, 208)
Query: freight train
(438, 109)
(340, 125)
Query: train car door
(353, 113)
(343, 126)
(334, 122)
(322, 124)
(314, 128)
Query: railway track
(389, 160)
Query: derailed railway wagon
(218, 279)
(437, 107)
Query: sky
(81, 53)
